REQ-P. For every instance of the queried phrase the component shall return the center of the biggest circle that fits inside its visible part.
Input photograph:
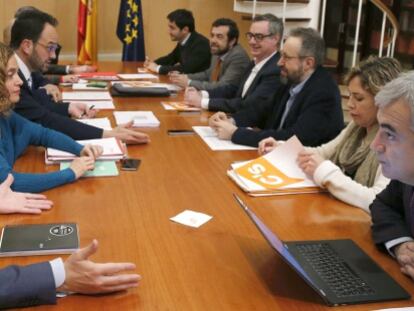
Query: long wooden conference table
(225, 264)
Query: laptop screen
(273, 240)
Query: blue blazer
(229, 98)
(27, 286)
(35, 105)
(315, 116)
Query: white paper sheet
(210, 138)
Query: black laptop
(338, 270)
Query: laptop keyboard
(335, 272)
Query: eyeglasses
(257, 36)
(51, 48)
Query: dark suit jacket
(35, 105)
(193, 56)
(228, 98)
(27, 286)
(315, 116)
(390, 213)
(231, 70)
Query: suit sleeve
(267, 86)
(231, 76)
(54, 69)
(32, 110)
(27, 286)
(168, 61)
(388, 219)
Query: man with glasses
(308, 106)
(260, 80)
(228, 62)
(35, 40)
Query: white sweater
(329, 176)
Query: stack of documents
(140, 118)
(79, 96)
(179, 106)
(102, 123)
(210, 138)
(274, 173)
(99, 76)
(90, 86)
(137, 76)
(112, 150)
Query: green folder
(102, 168)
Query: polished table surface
(225, 264)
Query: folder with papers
(85, 95)
(102, 123)
(179, 106)
(140, 118)
(274, 173)
(113, 149)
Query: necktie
(30, 82)
(216, 71)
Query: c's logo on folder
(61, 230)
(262, 172)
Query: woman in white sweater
(346, 166)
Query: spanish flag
(87, 41)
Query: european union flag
(130, 30)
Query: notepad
(209, 136)
(140, 118)
(39, 239)
(72, 96)
(102, 123)
(112, 150)
(102, 169)
(274, 173)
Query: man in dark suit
(393, 209)
(308, 106)
(34, 39)
(261, 78)
(228, 63)
(38, 284)
(192, 53)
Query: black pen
(86, 112)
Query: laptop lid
(385, 288)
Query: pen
(85, 112)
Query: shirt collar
(259, 65)
(185, 39)
(23, 68)
(295, 89)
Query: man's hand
(81, 110)
(87, 277)
(77, 69)
(266, 145)
(150, 65)
(405, 257)
(179, 79)
(127, 134)
(225, 129)
(309, 161)
(23, 203)
(70, 79)
(92, 151)
(53, 91)
(216, 118)
(192, 97)
(80, 165)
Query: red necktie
(216, 71)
